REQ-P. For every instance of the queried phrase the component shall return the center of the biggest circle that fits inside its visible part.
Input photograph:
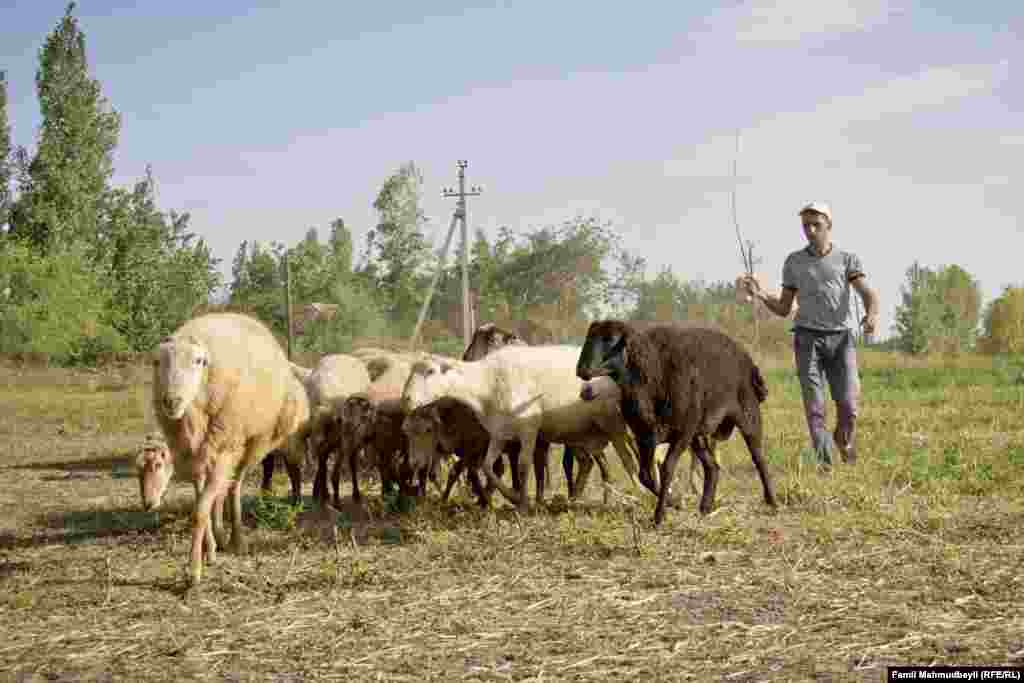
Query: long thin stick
(735, 221)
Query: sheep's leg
(668, 469)
(586, 461)
(540, 469)
(568, 460)
(295, 476)
(647, 445)
(320, 480)
(629, 457)
(268, 474)
(494, 449)
(602, 465)
(239, 546)
(705, 452)
(752, 435)
(453, 476)
(209, 541)
(517, 477)
(353, 466)
(216, 485)
(220, 531)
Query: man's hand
(750, 284)
(869, 323)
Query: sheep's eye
(430, 371)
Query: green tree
(257, 285)
(340, 249)
(69, 175)
(6, 157)
(939, 310)
(919, 314)
(397, 251)
(1004, 322)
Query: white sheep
(519, 392)
(224, 395)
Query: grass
(911, 556)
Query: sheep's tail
(760, 387)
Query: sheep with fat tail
(225, 395)
(684, 385)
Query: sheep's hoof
(239, 546)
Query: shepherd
(820, 277)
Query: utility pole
(459, 216)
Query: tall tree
(69, 175)
(398, 248)
(6, 156)
(340, 247)
(939, 310)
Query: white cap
(818, 207)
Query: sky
(264, 119)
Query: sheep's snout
(587, 392)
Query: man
(820, 277)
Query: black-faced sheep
(685, 385)
(224, 396)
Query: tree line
(87, 268)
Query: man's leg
(807, 348)
(844, 381)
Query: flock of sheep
(226, 398)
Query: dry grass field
(911, 556)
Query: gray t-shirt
(823, 290)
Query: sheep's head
(604, 351)
(487, 338)
(180, 369)
(428, 381)
(155, 467)
(425, 432)
(353, 425)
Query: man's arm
(782, 304)
(870, 298)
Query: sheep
(489, 337)
(224, 396)
(368, 421)
(683, 384)
(336, 376)
(448, 426)
(518, 392)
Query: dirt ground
(911, 556)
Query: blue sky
(263, 119)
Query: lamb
(448, 426)
(685, 385)
(224, 396)
(518, 392)
(372, 422)
(336, 376)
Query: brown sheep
(686, 385)
(364, 421)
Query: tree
(1004, 322)
(69, 175)
(6, 156)
(939, 310)
(340, 249)
(397, 250)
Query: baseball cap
(819, 207)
